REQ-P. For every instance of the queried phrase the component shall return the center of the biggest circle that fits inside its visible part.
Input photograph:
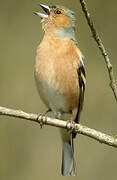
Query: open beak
(46, 9)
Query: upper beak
(46, 9)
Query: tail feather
(68, 162)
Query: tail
(68, 162)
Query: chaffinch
(60, 74)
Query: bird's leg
(70, 126)
(41, 115)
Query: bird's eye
(58, 12)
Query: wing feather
(82, 81)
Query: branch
(101, 47)
(78, 128)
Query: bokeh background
(26, 151)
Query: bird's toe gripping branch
(70, 126)
(41, 118)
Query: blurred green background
(26, 151)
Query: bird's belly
(57, 97)
(51, 96)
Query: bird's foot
(70, 126)
(41, 118)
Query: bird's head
(56, 17)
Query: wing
(82, 80)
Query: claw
(70, 126)
(41, 118)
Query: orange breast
(56, 73)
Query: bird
(60, 74)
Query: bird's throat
(66, 33)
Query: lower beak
(46, 9)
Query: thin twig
(78, 128)
(101, 47)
